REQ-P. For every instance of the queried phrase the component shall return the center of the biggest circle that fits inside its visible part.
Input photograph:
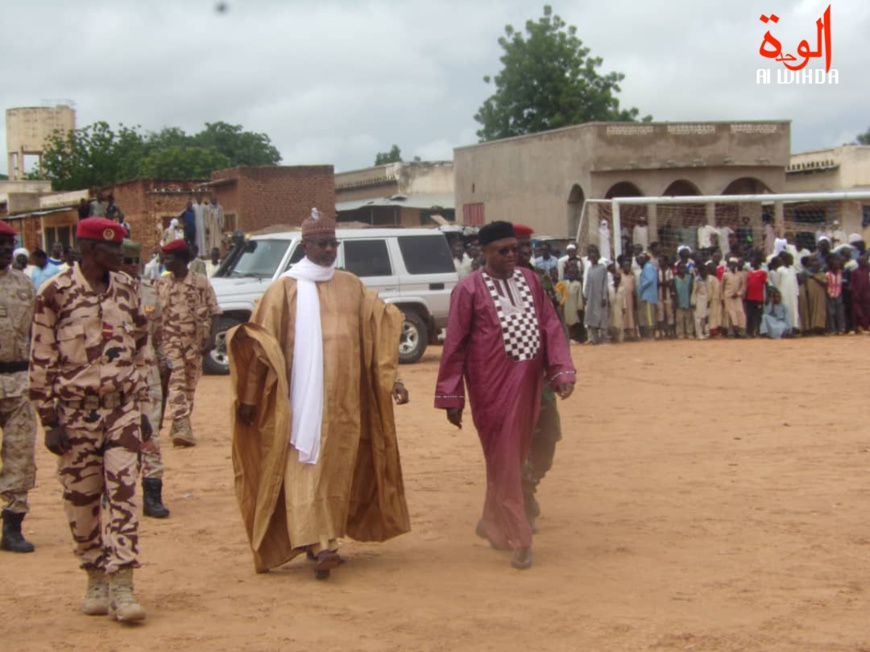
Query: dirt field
(706, 496)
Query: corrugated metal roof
(409, 201)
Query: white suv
(411, 268)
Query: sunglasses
(504, 251)
(131, 261)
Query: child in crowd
(733, 289)
(756, 281)
(665, 306)
(817, 306)
(625, 298)
(560, 290)
(834, 291)
(574, 303)
(701, 301)
(775, 323)
(859, 286)
(683, 294)
(648, 292)
(714, 316)
(616, 332)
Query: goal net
(724, 221)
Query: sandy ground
(706, 496)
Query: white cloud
(336, 81)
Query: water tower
(29, 128)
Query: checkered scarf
(515, 308)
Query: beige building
(409, 194)
(28, 130)
(544, 179)
(845, 168)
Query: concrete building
(28, 130)
(253, 198)
(407, 194)
(544, 179)
(837, 168)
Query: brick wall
(266, 196)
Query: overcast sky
(335, 81)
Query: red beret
(175, 246)
(5, 229)
(99, 228)
(523, 232)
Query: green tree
(180, 162)
(393, 156)
(863, 139)
(97, 155)
(239, 146)
(547, 81)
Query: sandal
(326, 561)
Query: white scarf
(306, 377)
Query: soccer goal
(707, 221)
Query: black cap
(495, 231)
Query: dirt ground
(706, 496)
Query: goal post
(705, 221)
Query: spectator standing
(733, 291)
(42, 269)
(199, 210)
(700, 301)
(214, 224)
(683, 294)
(756, 282)
(834, 291)
(188, 221)
(597, 313)
(546, 261)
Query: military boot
(122, 603)
(12, 539)
(152, 498)
(182, 433)
(96, 602)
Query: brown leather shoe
(522, 558)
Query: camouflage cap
(131, 249)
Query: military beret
(99, 228)
(523, 232)
(5, 229)
(131, 249)
(175, 246)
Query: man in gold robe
(314, 375)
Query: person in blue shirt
(648, 293)
(546, 261)
(683, 292)
(188, 221)
(42, 270)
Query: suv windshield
(260, 258)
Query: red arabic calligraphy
(771, 48)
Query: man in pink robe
(503, 334)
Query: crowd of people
(646, 294)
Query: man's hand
(400, 394)
(247, 413)
(56, 440)
(564, 390)
(145, 428)
(454, 416)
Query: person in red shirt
(756, 280)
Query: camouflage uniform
(87, 374)
(152, 461)
(188, 305)
(18, 472)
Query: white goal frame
(777, 201)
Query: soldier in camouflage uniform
(190, 314)
(158, 368)
(88, 367)
(18, 470)
(548, 429)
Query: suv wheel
(217, 362)
(414, 339)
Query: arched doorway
(630, 215)
(576, 200)
(744, 219)
(679, 223)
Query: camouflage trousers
(186, 371)
(99, 475)
(152, 461)
(548, 431)
(17, 456)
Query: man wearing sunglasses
(503, 336)
(319, 337)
